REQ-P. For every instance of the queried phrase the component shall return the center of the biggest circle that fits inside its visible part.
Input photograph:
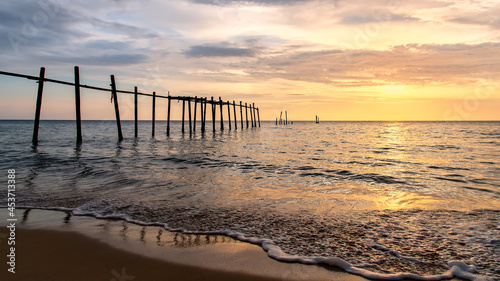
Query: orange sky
(341, 60)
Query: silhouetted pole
(286, 118)
(183, 113)
(168, 115)
(221, 115)
(189, 112)
(136, 126)
(204, 115)
(251, 116)
(77, 105)
(276, 120)
(154, 115)
(213, 113)
(235, 118)
(229, 114)
(258, 115)
(254, 116)
(246, 113)
(194, 119)
(117, 110)
(281, 117)
(241, 114)
(38, 106)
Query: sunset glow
(341, 60)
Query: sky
(338, 59)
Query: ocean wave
(374, 258)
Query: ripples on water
(388, 197)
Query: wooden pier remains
(281, 121)
(200, 102)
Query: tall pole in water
(153, 116)
(117, 110)
(235, 119)
(77, 105)
(168, 114)
(38, 106)
(136, 126)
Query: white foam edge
(457, 268)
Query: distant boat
(317, 119)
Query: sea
(384, 200)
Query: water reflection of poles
(67, 218)
(26, 215)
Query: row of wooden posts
(201, 101)
(281, 120)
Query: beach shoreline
(54, 245)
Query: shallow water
(388, 197)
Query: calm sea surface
(386, 197)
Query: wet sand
(57, 246)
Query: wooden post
(281, 116)
(276, 120)
(258, 115)
(38, 106)
(117, 110)
(168, 115)
(286, 118)
(154, 115)
(235, 119)
(213, 113)
(241, 114)
(183, 113)
(204, 115)
(251, 115)
(195, 106)
(136, 126)
(254, 117)
(189, 112)
(77, 105)
(221, 115)
(246, 113)
(229, 114)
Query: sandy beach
(53, 245)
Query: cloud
(28, 25)
(105, 60)
(376, 16)
(412, 64)
(199, 51)
(120, 28)
(248, 2)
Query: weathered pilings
(77, 106)
(38, 109)
(117, 110)
(153, 116)
(136, 125)
(282, 121)
(254, 112)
